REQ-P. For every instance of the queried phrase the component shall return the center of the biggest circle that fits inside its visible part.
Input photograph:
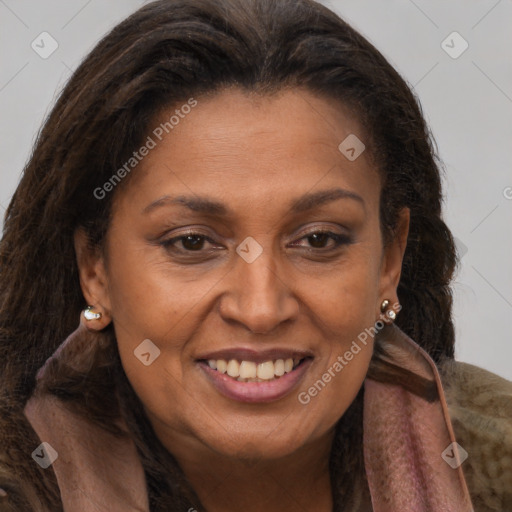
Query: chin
(257, 446)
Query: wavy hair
(163, 54)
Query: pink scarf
(404, 439)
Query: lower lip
(255, 392)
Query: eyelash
(339, 239)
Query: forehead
(252, 148)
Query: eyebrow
(208, 206)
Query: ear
(391, 267)
(93, 274)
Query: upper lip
(256, 356)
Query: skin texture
(256, 155)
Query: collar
(411, 458)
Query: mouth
(252, 377)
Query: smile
(248, 381)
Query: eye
(190, 242)
(319, 239)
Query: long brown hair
(163, 54)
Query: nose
(259, 295)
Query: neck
(299, 481)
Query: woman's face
(255, 181)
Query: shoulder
(480, 407)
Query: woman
(241, 203)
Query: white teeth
(248, 371)
(266, 370)
(233, 368)
(279, 367)
(222, 366)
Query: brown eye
(320, 240)
(192, 242)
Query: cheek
(346, 295)
(150, 302)
(150, 297)
(336, 377)
(327, 397)
(345, 305)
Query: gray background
(467, 101)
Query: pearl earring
(89, 314)
(388, 312)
